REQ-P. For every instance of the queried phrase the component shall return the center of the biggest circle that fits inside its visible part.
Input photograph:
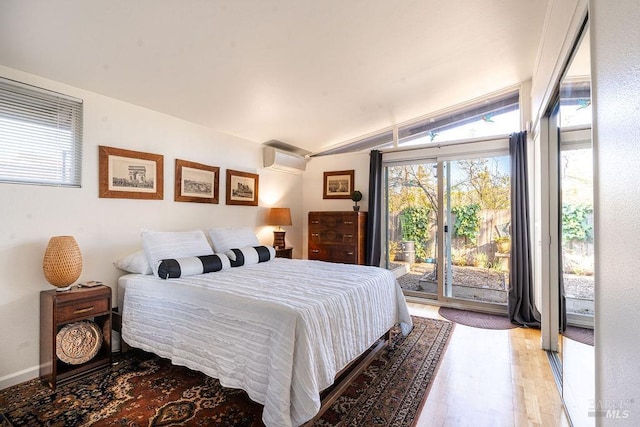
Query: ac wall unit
(283, 161)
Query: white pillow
(224, 239)
(134, 263)
(159, 245)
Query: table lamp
(279, 217)
(62, 263)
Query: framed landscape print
(196, 182)
(338, 185)
(127, 174)
(242, 188)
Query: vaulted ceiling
(309, 73)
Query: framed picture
(242, 188)
(196, 182)
(127, 174)
(338, 185)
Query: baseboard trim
(19, 377)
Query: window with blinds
(40, 136)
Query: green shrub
(467, 224)
(415, 228)
(575, 223)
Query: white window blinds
(40, 136)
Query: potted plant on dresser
(356, 196)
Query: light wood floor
(491, 378)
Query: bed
(280, 330)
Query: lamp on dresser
(279, 217)
(62, 262)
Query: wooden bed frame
(350, 372)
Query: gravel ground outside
(576, 286)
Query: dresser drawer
(82, 309)
(329, 236)
(334, 253)
(318, 252)
(344, 222)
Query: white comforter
(279, 330)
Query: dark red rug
(475, 319)
(141, 389)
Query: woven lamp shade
(62, 263)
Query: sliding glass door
(412, 225)
(478, 218)
(448, 227)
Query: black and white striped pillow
(190, 266)
(250, 255)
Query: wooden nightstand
(59, 309)
(284, 253)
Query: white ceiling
(306, 72)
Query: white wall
(107, 229)
(313, 186)
(615, 59)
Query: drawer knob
(83, 310)
(349, 253)
(315, 251)
(314, 234)
(348, 236)
(348, 222)
(315, 222)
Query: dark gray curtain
(374, 219)
(522, 309)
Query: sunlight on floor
(491, 378)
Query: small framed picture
(127, 174)
(338, 185)
(196, 182)
(242, 188)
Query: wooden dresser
(338, 236)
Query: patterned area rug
(476, 320)
(142, 389)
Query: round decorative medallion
(78, 342)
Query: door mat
(583, 335)
(475, 319)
